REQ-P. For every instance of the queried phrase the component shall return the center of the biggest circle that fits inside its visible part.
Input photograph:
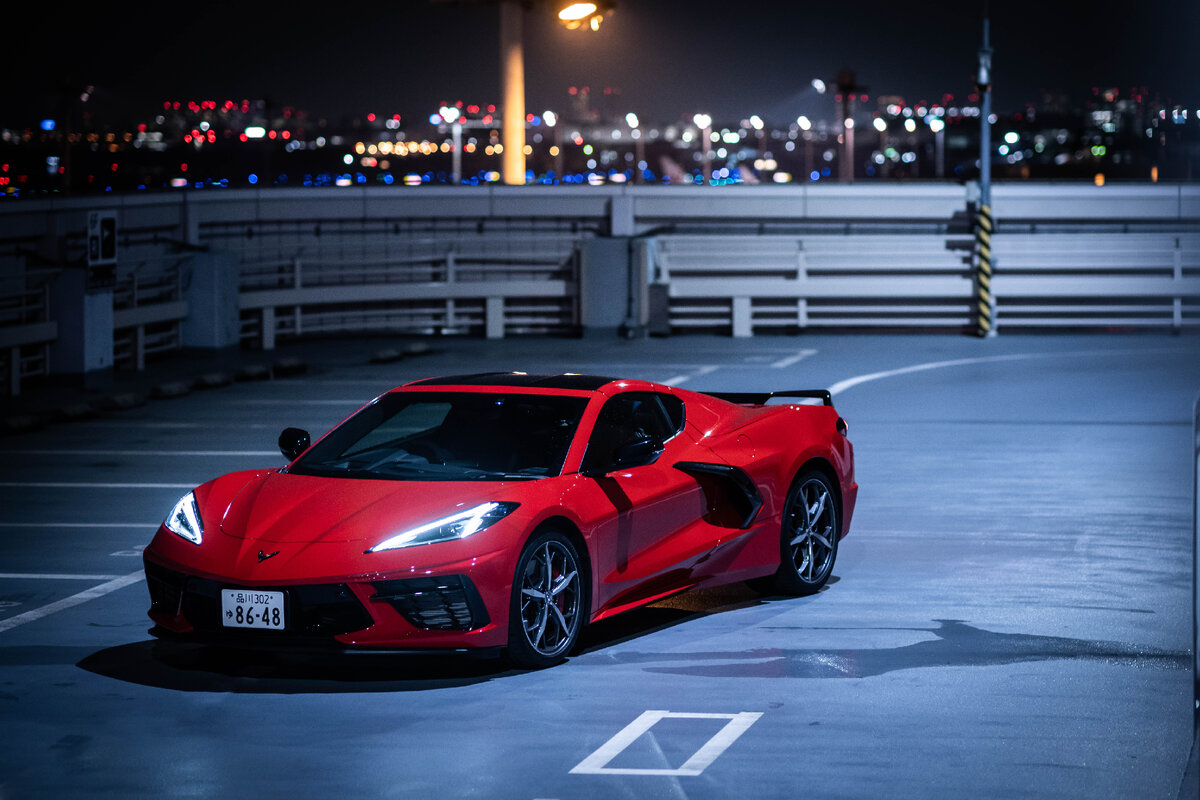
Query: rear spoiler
(761, 398)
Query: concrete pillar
(210, 287)
(84, 347)
(611, 292)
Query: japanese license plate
(251, 608)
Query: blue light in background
(253, 179)
(47, 125)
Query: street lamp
(452, 115)
(639, 144)
(704, 123)
(581, 15)
(585, 16)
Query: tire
(808, 538)
(549, 602)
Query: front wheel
(808, 537)
(548, 602)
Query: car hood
(281, 507)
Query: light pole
(985, 302)
(847, 85)
(939, 146)
(704, 123)
(983, 82)
(806, 132)
(512, 77)
(639, 145)
(585, 16)
(452, 115)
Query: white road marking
(64, 485)
(54, 576)
(842, 386)
(188, 453)
(698, 373)
(597, 762)
(355, 403)
(784, 363)
(79, 524)
(69, 602)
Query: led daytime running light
(455, 526)
(184, 519)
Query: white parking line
(54, 576)
(65, 485)
(188, 453)
(79, 524)
(69, 602)
(784, 363)
(699, 373)
(842, 386)
(597, 762)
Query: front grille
(444, 603)
(315, 610)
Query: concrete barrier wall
(498, 260)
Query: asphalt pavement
(1010, 615)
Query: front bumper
(417, 613)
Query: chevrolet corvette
(503, 512)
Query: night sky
(667, 58)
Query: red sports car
(506, 510)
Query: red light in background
(244, 138)
(370, 117)
(114, 167)
(271, 134)
(187, 138)
(183, 167)
(491, 109)
(472, 109)
(287, 135)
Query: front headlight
(184, 519)
(456, 526)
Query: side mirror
(293, 442)
(638, 453)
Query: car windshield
(449, 436)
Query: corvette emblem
(264, 556)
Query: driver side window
(624, 419)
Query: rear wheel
(808, 537)
(548, 602)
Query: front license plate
(250, 608)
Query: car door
(645, 548)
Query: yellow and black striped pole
(983, 272)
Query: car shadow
(198, 668)
(676, 610)
(186, 666)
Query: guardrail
(748, 284)
(26, 327)
(472, 285)
(493, 261)
(148, 309)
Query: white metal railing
(26, 327)
(148, 309)
(491, 286)
(745, 284)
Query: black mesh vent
(317, 610)
(444, 603)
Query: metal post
(1196, 571)
(512, 72)
(984, 84)
(985, 303)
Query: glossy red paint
(643, 532)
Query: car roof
(567, 381)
